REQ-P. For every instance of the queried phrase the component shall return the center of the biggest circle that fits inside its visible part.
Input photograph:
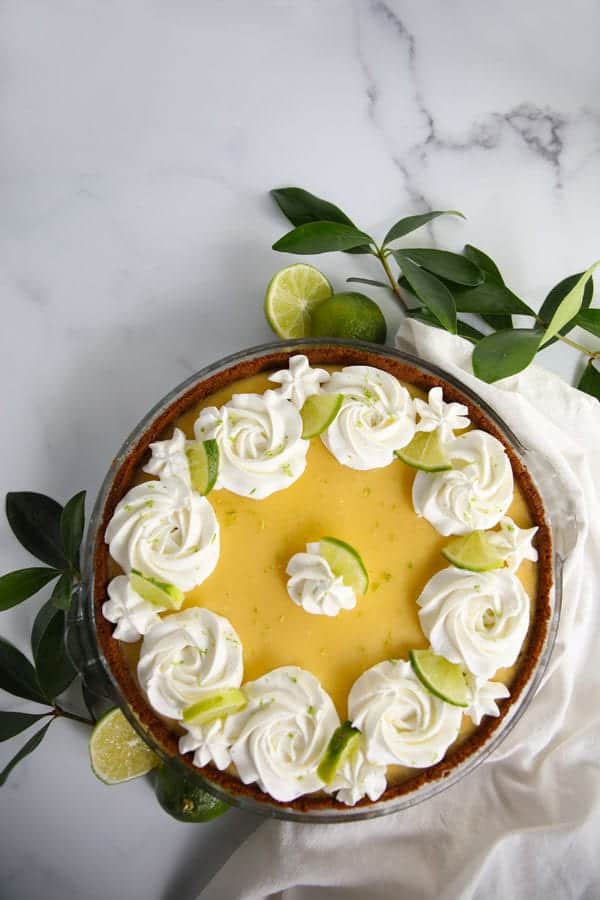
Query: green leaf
(35, 521)
(485, 263)
(301, 207)
(558, 294)
(411, 223)
(18, 586)
(370, 281)
(570, 305)
(450, 266)
(63, 591)
(17, 675)
(321, 237)
(13, 723)
(72, 522)
(505, 353)
(462, 328)
(41, 622)
(54, 669)
(589, 320)
(498, 323)
(590, 381)
(432, 292)
(490, 298)
(28, 748)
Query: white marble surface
(138, 142)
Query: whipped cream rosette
(187, 656)
(514, 543)
(357, 778)
(283, 733)
(167, 531)
(401, 721)
(474, 494)
(169, 459)
(299, 381)
(132, 615)
(435, 413)
(477, 619)
(484, 695)
(209, 743)
(260, 443)
(377, 417)
(313, 586)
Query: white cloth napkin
(526, 823)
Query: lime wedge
(443, 678)
(346, 563)
(344, 742)
(292, 295)
(117, 752)
(203, 459)
(473, 551)
(425, 452)
(318, 413)
(215, 706)
(185, 800)
(160, 593)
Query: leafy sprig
(437, 286)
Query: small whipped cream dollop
(283, 733)
(167, 531)
(261, 449)
(299, 381)
(313, 586)
(209, 743)
(477, 619)
(474, 494)
(132, 615)
(514, 543)
(358, 778)
(185, 657)
(168, 458)
(376, 418)
(402, 722)
(484, 695)
(447, 417)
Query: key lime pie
(322, 578)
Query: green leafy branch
(437, 286)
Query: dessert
(274, 636)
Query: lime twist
(345, 562)
(473, 551)
(203, 459)
(426, 452)
(441, 677)
(159, 593)
(344, 743)
(318, 413)
(215, 706)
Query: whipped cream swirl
(283, 733)
(402, 722)
(477, 619)
(208, 743)
(448, 417)
(484, 695)
(167, 531)
(187, 656)
(514, 543)
(376, 418)
(168, 458)
(358, 778)
(132, 615)
(313, 586)
(260, 443)
(474, 494)
(299, 381)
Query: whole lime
(349, 315)
(184, 800)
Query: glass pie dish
(89, 634)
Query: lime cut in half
(473, 551)
(203, 459)
(425, 452)
(292, 295)
(346, 563)
(441, 677)
(215, 706)
(344, 742)
(159, 593)
(117, 752)
(318, 412)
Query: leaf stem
(382, 257)
(59, 711)
(593, 354)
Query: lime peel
(441, 677)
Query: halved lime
(443, 678)
(184, 799)
(203, 459)
(473, 551)
(344, 742)
(318, 413)
(160, 593)
(117, 752)
(215, 706)
(425, 452)
(346, 563)
(292, 295)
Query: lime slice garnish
(215, 706)
(185, 800)
(349, 315)
(346, 563)
(203, 459)
(318, 413)
(159, 593)
(473, 551)
(425, 452)
(292, 295)
(117, 752)
(344, 742)
(443, 678)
